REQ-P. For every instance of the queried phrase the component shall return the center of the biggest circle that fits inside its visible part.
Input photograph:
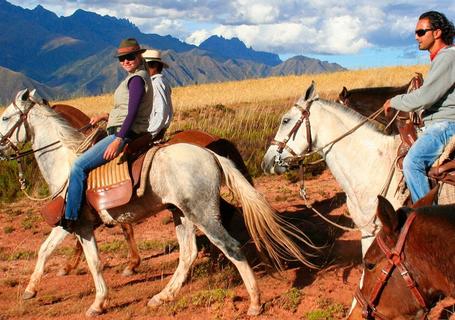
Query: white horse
(360, 160)
(182, 175)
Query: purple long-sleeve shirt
(136, 87)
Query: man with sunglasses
(436, 97)
(129, 118)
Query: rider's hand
(387, 106)
(113, 149)
(99, 117)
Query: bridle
(282, 145)
(395, 259)
(5, 140)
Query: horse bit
(395, 258)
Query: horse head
(292, 139)
(14, 126)
(394, 248)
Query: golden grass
(258, 91)
(247, 112)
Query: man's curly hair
(440, 21)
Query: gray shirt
(436, 97)
(162, 111)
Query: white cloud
(280, 26)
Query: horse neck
(352, 158)
(433, 259)
(54, 162)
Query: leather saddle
(111, 185)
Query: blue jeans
(423, 153)
(90, 159)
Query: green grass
(113, 246)
(204, 298)
(19, 255)
(327, 311)
(9, 183)
(156, 245)
(8, 229)
(30, 220)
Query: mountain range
(72, 56)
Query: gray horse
(182, 175)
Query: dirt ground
(214, 289)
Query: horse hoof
(128, 272)
(93, 312)
(255, 310)
(154, 302)
(28, 295)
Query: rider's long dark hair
(440, 21)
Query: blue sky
(357, 34)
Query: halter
(395, 258)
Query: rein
(395, 259)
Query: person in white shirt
(162, 111)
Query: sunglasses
(129, 57)
(421, 32)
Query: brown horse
(410, 265)
(368, 100)
(222, 147)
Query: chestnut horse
(222, 147)
(409, 267)
(368, 100)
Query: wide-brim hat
(154, 55)
(128, 46)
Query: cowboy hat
(154, 55)
(128, 46)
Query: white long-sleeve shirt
(162, 111)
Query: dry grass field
(245, 112)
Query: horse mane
(378, 90)
(354, 115)
(67, 134)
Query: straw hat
(128, 46)
(154, 55)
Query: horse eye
(369, 265)
(5, 118)
(285, 120)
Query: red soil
(327, 292)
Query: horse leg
(231, 249)
(53, 240)
(186, 236)
(73, 261)
(86, 236)
(133, 254)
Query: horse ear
(310, 93)
(386, 213)
(24, 94)
(35, 97)
(344, 93)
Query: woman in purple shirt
(133, 100)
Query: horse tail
(271, 234)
